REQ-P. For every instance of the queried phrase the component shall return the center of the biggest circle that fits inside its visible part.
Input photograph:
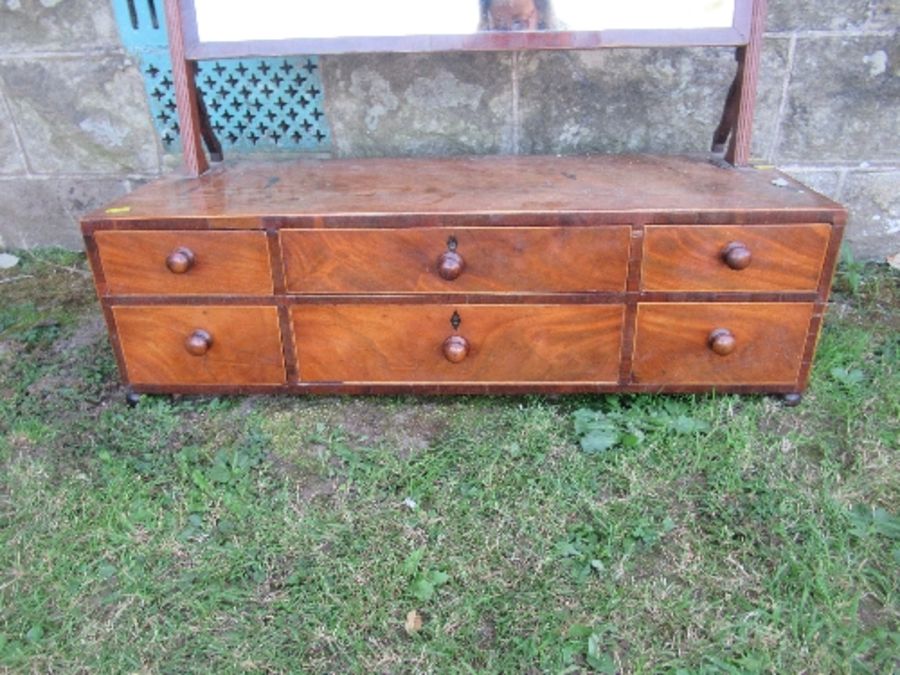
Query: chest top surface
(467, 185)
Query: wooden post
(195, 161)
(748, 58)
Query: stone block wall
(74, 124)
(75, 128)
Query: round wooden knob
(737, 256)
(450, 265)
(180, 260)
(456, 348)
(198, 342)
(722, 341)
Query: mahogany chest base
(468, 275)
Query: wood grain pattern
(507, 343)
(739, 149)
(784, 258)
(672, 343)
(484, 191)
(186, 95)
(497, 260)
(245, 349)
(226, 263)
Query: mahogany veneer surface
(784, 258)
(403, 343)
(505, 190)
(672, 342)
(497, 260)
(571, 274)
(226, 263)
(246, 344)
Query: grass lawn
(471, 534)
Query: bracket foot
(792, 400)
(132, 399)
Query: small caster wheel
(792, 400)
(132, 399)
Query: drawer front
(169, 262)
(448, 260)
(201, 344)
(493, 343)
(720, 343)
(734, 258)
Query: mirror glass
(246, 20)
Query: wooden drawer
(698, 258)
(160, 345)
(224, 263)
(506, 343)
(677, 343)
(501, 260)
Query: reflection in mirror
(245, 20)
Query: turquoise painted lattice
(253, 104)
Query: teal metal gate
(255, 105)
